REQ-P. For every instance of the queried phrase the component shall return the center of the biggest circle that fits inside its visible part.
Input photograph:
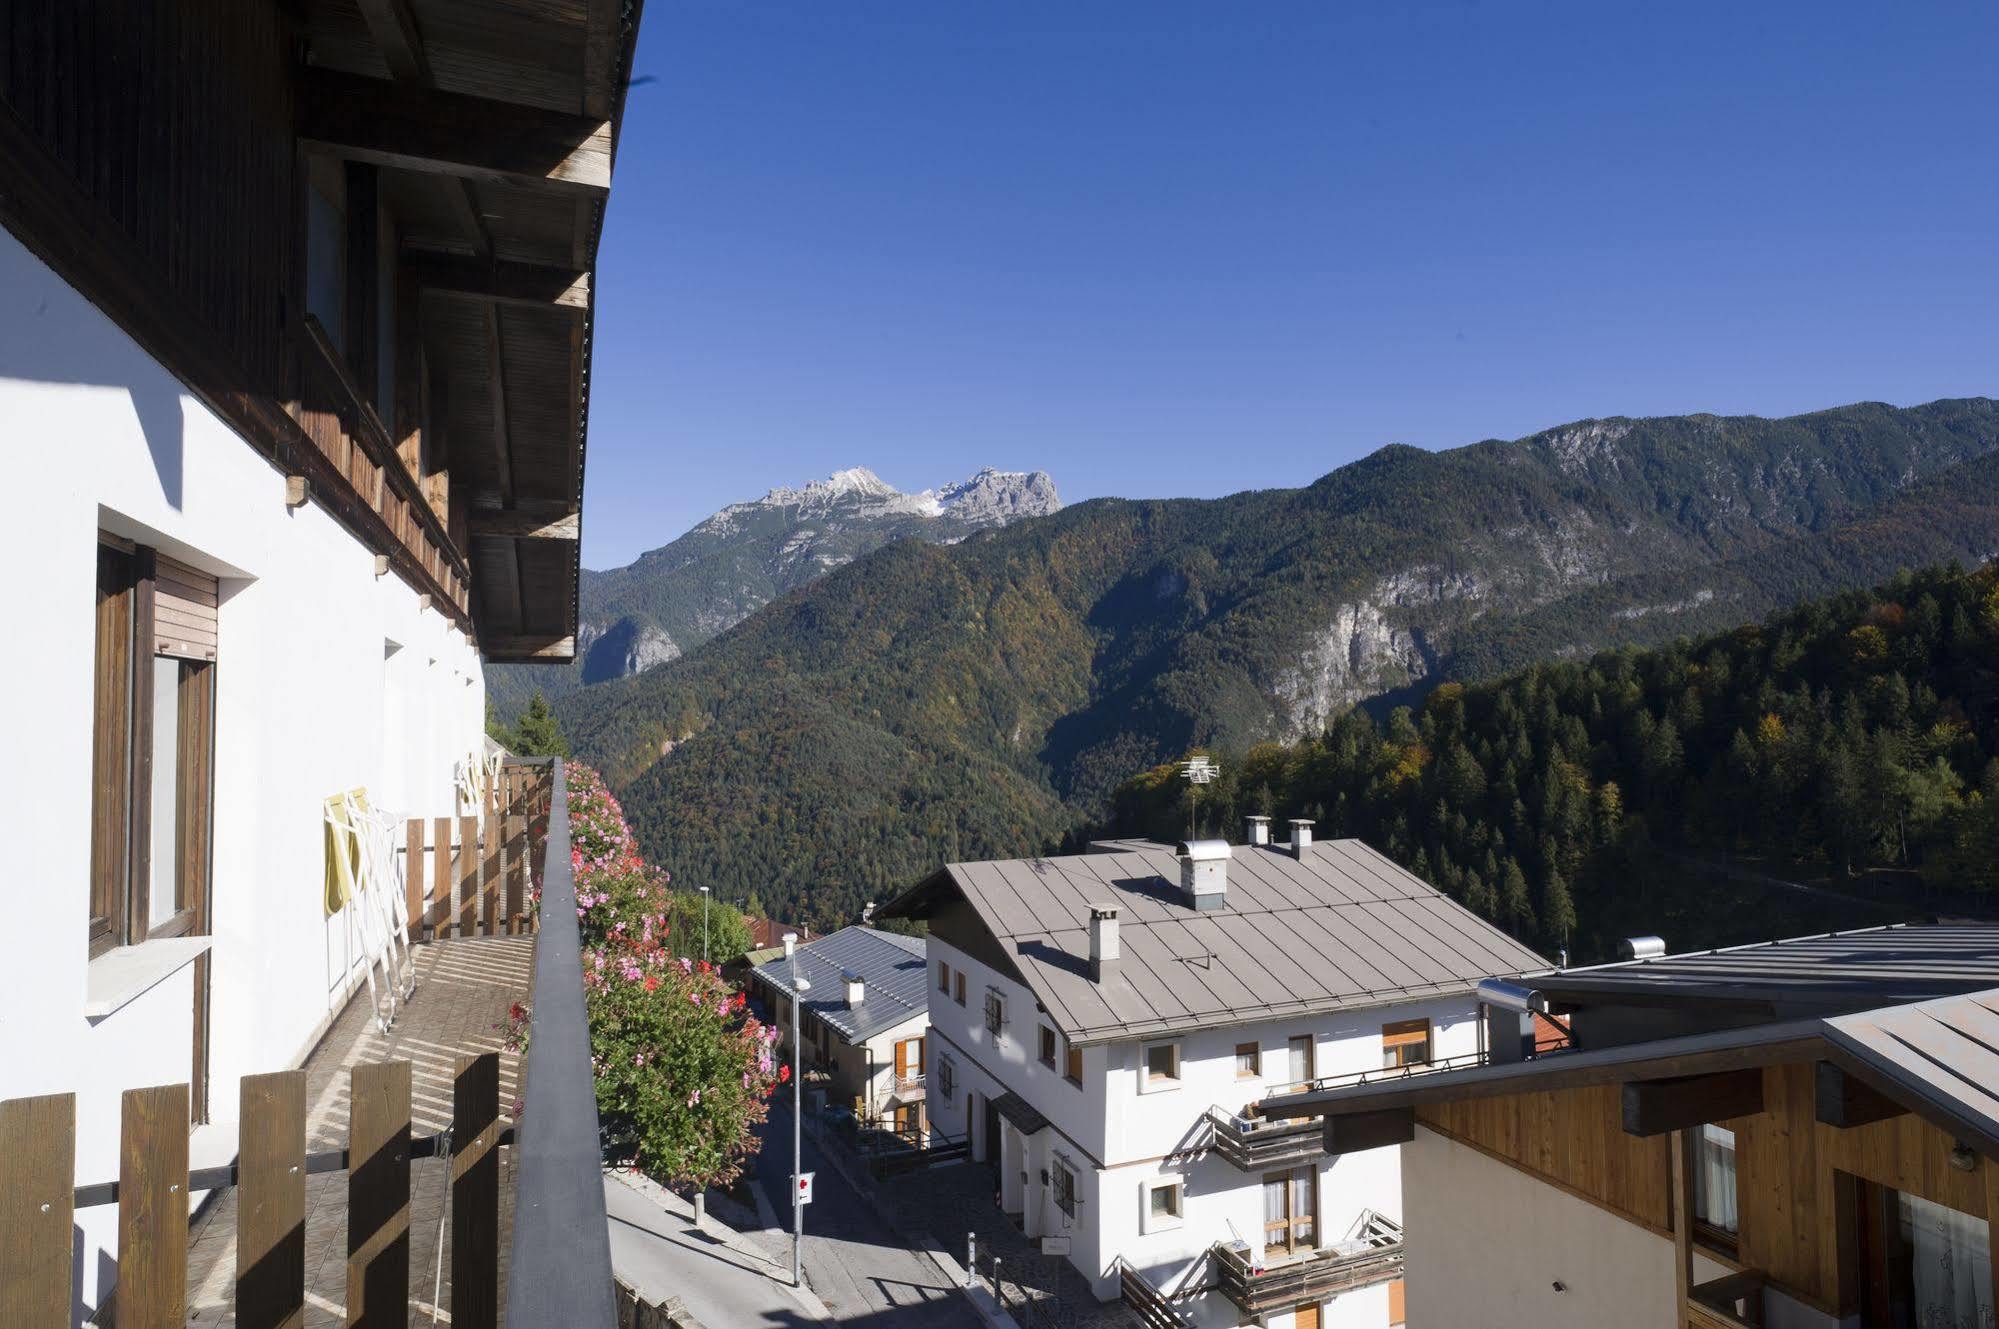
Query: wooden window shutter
(183, 611)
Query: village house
(1801, 1134)
(294, 361)
(862, 1022)
(1104, 1026)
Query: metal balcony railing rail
(1256, 1144)
(560, 1272)
(1372, 1254)
(1152, 1307)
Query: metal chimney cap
(849, 976)
(1303, 821)
(1641, 948)
(1510, 996)
(1203, 851)
(1103, 911)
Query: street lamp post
(704, 925)
(799, 987)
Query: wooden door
(1306, 1316)
(1289, 1204)
(1299, 1052)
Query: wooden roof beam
(600, 55)
(516, 649)
(393, 27)
(1845, 1102)
(505, 283)
(412, 128)
(1369, 1130)
(1653, 1107)
(529, 521)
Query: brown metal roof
(1343, 927)
(1942, 1053)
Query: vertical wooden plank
(378, 1197)
(270, 1205)
(37, 1170)
(517, 873)
(1683, 1223)
(491, 870)
(468, 876)
(152, 1209)
(475, 1193)
(413, 875)
(440, 876)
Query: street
(859, 1267)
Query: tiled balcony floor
(464, 988)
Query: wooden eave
(492, 130)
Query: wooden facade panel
(1574, 1138)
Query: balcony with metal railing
(1261, 1144)
(1371, 1253)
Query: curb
(722, 1233)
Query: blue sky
(1163, 248)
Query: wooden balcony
(1734, 1301)
(1373, 1254)
(1259, 1145)
(337, 1193)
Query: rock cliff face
(735, 562)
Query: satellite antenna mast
(1197, 771)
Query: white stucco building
(291, 465)
(1102, 1025)
(862, 1021)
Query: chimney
(1301, 836)
(1641, 948)
(1259, 831)
(1508, 1012)
(1204, 873)
(856, 989)
(1103, 941)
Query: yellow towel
(343, 852)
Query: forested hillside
(1574, 802)
(927, 703)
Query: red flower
(652, 982)
(783, 1074)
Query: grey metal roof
(1824, 973)
(1943, 1052)
(893, 970)
(1344, 927)
(1026, 1118)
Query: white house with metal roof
(863, 1020)
(1102, 1026)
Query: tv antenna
(1196, 771)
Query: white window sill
(120, 976)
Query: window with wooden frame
(1161, 1068)
(1248, 1061)
(152, 747)
(1072, 1070)
(1921, 1263)
(1405, 1043)
(944, 978)
(958, 987)
(1715, 1221)
(1047, 1049)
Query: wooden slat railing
(468, 876)
(1257, 1144)
(1376, 1257)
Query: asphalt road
(859, 1267)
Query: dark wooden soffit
(413, 128)
(1654, 1107)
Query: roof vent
(1301, 836)
(1204, 873)
(1259, 831)
(856, 989)
(1103, 940)
(1641, 948)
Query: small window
(1405, 1043)
(995, 1012)
(944, 978)
(1714, 1184)
(1047, 1047)
(947, 1078)
(958, 987)
(1073, 1071)
(1248, 1061)
(1164, 1199)
(1162, 1065)
(1064, 1182)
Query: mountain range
(671, 599)
(932, 702)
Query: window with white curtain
(1949, 1267)
(1714, 1180)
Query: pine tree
(538, 733)
(1558, 910)
(1514, 901)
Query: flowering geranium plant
(683, 1071)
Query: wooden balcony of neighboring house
(401, 1172)
(1371, 1253)
(1733, 1301)
(1258, 1145)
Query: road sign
(804, 1193)
(1055, 1245)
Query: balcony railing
(1258, 1144)
(560, 1268)
(1733, 1301)
(1371, 1255)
